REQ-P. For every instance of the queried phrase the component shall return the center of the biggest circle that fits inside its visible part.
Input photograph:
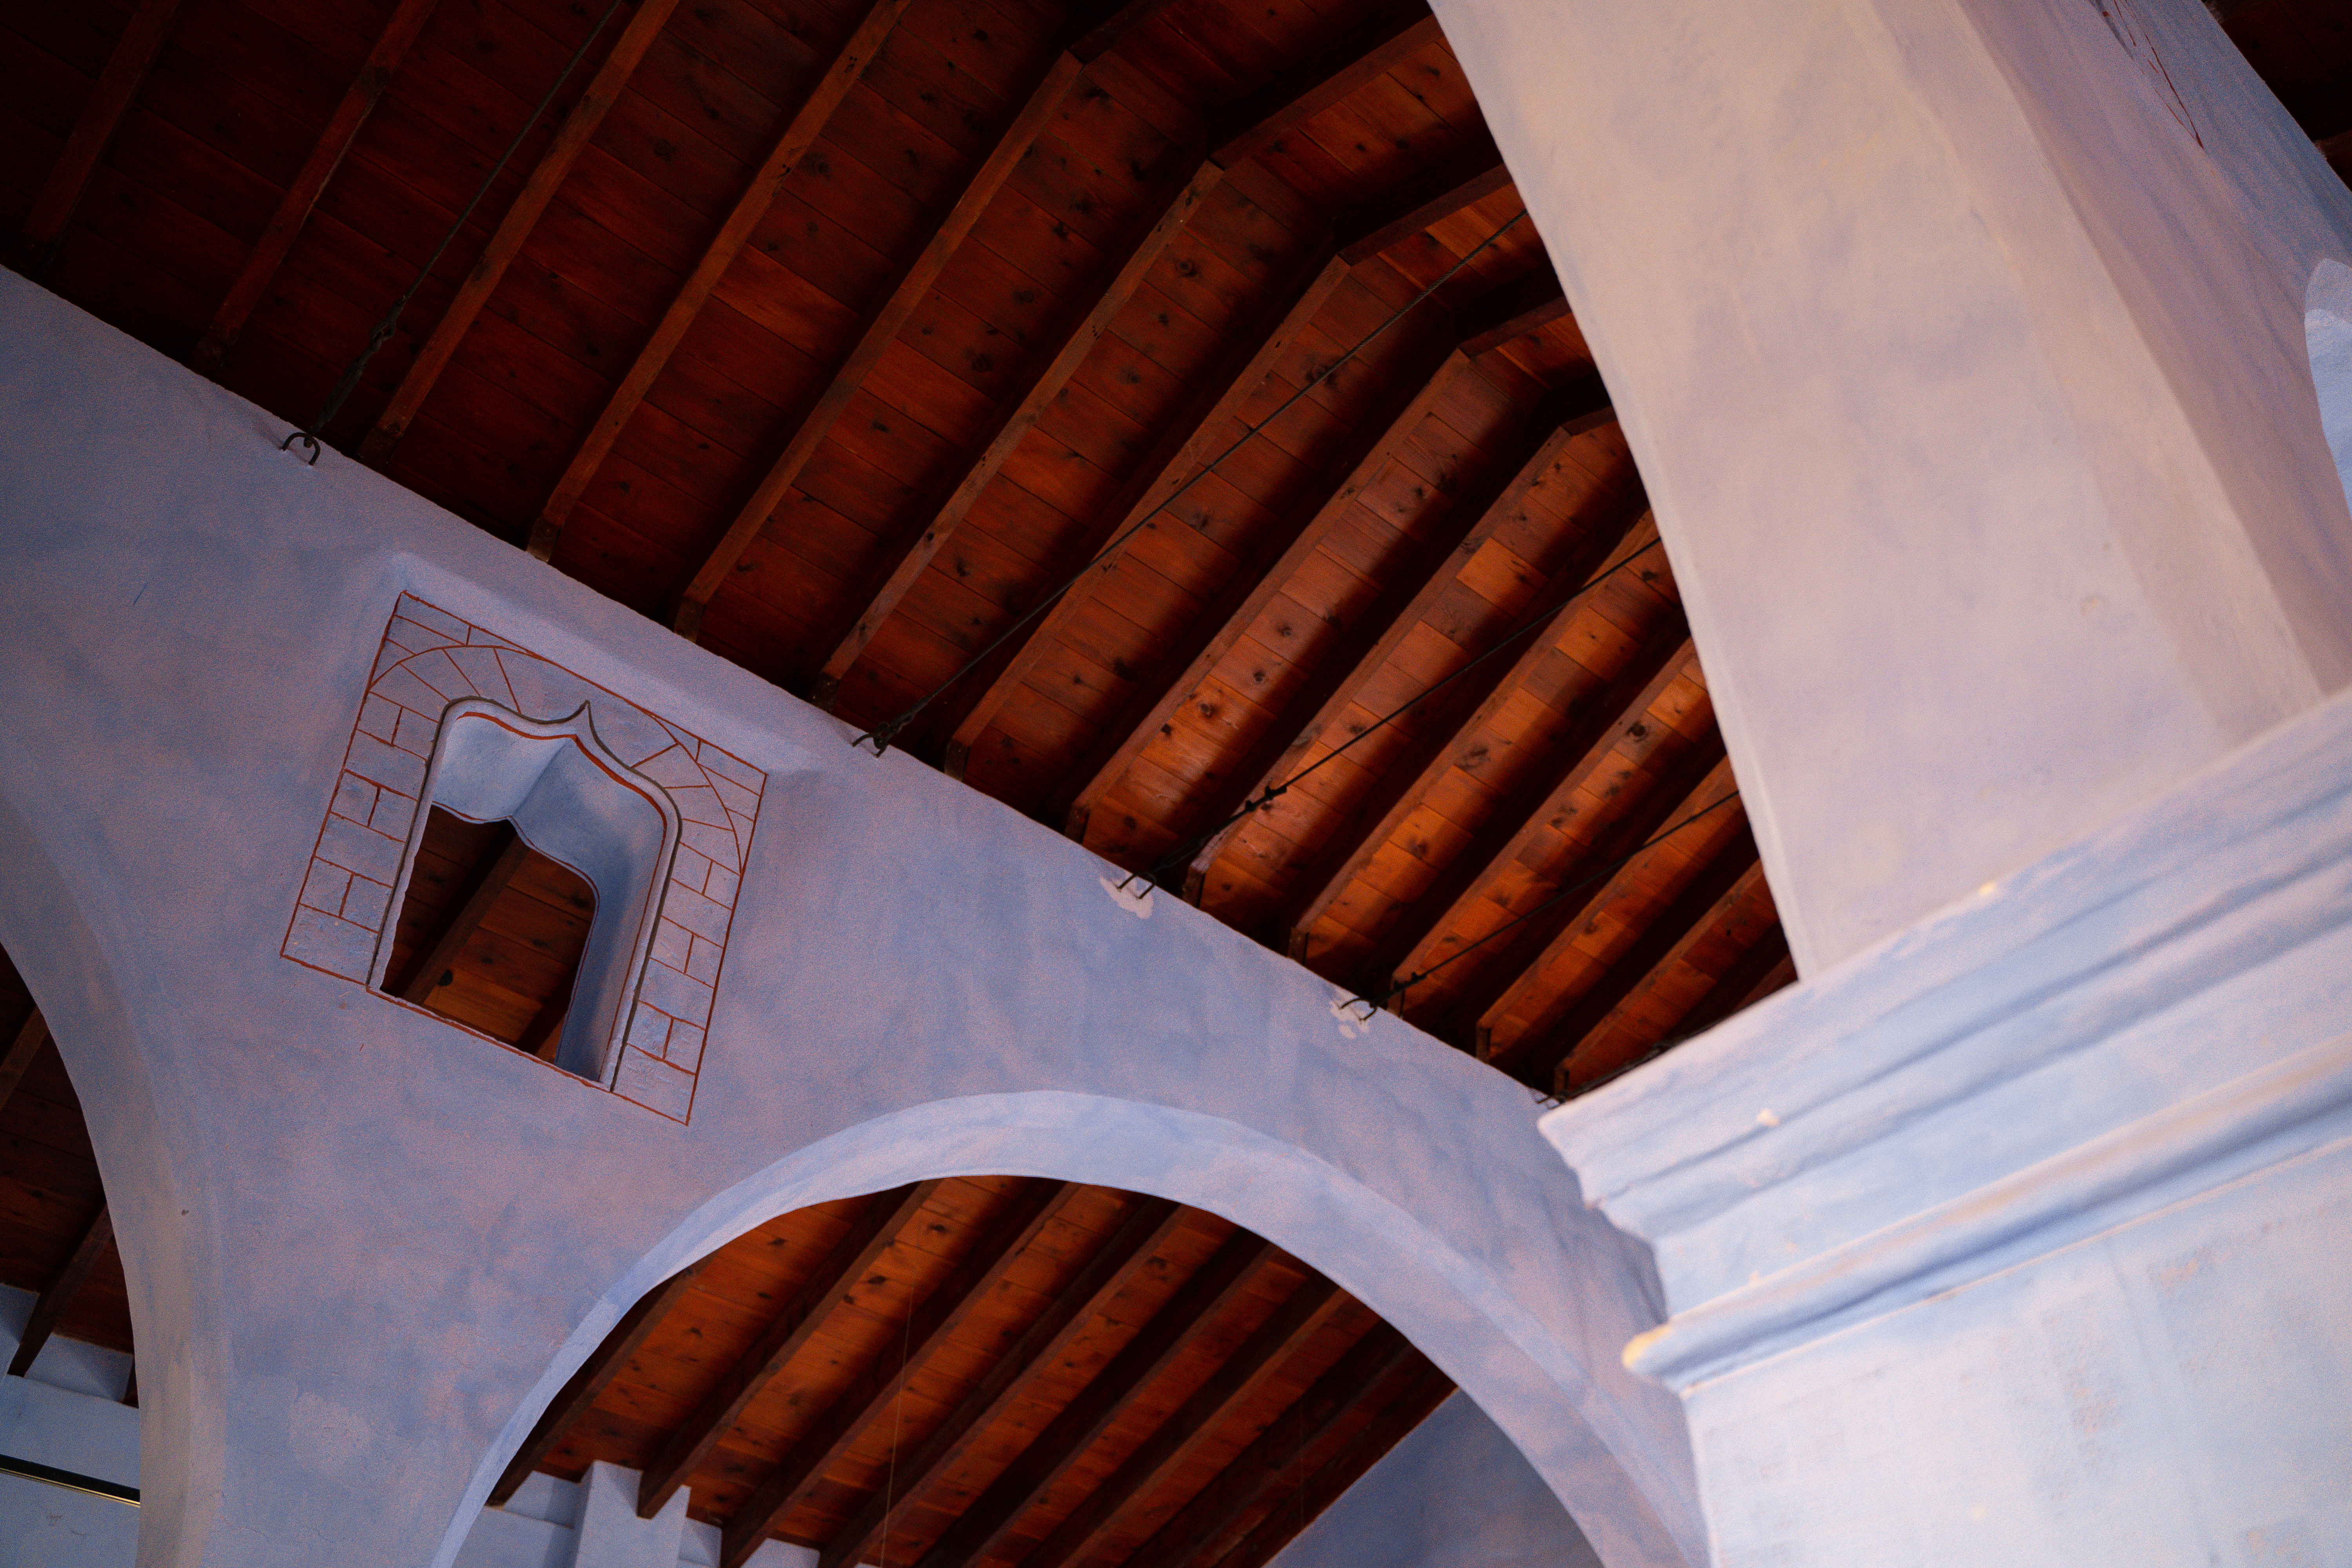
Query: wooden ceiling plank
(1427, 571)
(973, 1279)
(49, 1307)
(506, 241)
(1182, 453)
(799, 134)
(1279, 553)
(101, 115)
(489, 879)
(1517, 971)
(877, 1226)
(596, 1374)
(1405, 785)
(1547, 1048)
(237, 307)
(1739, 987)
(1211, 1512)
(1304, 1312)
(1389, 36)
(31, 1035)
(1412, 941)
(1108, 34)
(881, 329)
(1518, 307)
(1200, 1301)
(1041, 1343)
(1013, 418)
(1429, 196)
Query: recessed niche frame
(434, 670)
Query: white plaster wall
(1966, 368)
(364, 1248)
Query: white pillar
(610, 1535)
(1961, 345)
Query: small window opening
(492, 932)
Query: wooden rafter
(877, 1224)
(1211, 1289)
(1737, 986)
(881, 329)
(1513, 311)
(1428, 195)
(1043, 1341)
(1302, 1312)
(101, 115)
(489, 879)
(1277, 555)
(1014, 416)
(596, 1374)
(1388, 36)
(507, 240)
(1105, 35)
(1414, 939)
(799, 134)
(927, 1325)
(49, 1309)
(1406, 784)
(294, 207)
(31, 1035)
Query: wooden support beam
(881, 329)
(427, 970)
(294, 207)
(798, 134)
(1189, 439)
(1427, 196)
(1389, 35)
(1405, 784)
(1200, 1299)
(49, 1309)
(1196, 1527)
(1737, 987)
(1047, 1336)
(1524, 306)
(31, 1035)
(1412, 588)
(1014, 416)
(1416, 938)
(1242, 1373)
(877, 1224)
(596, 1374)
(1547, 1049)
(36, 244)
(507, 240)
(974, 1278)
(1277, 555)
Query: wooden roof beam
(1202, 1298)
(294, 207)
(877, 1224)
(974, 1278)
(1739, 986)
(489, 878)
(1525, 305)
(507, 240)
(1015, 415)
(1427, 196)
(1143, 1232)
(799, 134)
(1387, 37)
(1112, 30)
(1277, 555)
(1305, 1310)
(31, 1035)
(36, 242)
(881, 329)
(49, 1307)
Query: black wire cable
(309, 433)
(882, 734)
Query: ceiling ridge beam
(294, 208)
(490, 878)
(1174, 461)
(507, 240)
(1426, 569)
(1066, 1439)
(49, 1307)
(1593, 731)
(110, 97)
(1277, 555)
(1369, 51)
(1142, 1233)
(1403, 787)
(1427, 196)
(596, 1374)
(799, 134)
(975, 1275)
(1014, 416)
(877, 1224)
(31, 1035)
(1306, 1309)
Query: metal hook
(308, 440)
